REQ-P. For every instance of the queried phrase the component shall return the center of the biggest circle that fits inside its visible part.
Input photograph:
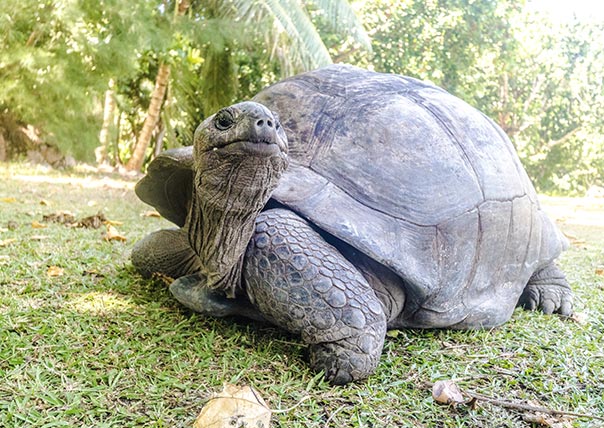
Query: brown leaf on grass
(8, 200)
(112, 234)
(39, 237)
(573, 239)
(235, 406)
(37, 225)
(55, 271)
(599, 271)
(62, 217)
(114, 222)
(447, 392)
(579, 318)
(151, 213)
(44, 202)
(165, 279)
(544, 420)
(6, 242)
(93, 221)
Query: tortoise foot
(191, 291)
(347, 360)
(548, 291)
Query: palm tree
(157, 98)
(219, 24)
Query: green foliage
(540, 81)
(56, 57)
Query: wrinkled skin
(239, 252)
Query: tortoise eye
(223, 120)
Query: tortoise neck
(226, 202)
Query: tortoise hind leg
(303, 284)
(549, 291)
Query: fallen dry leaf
(599, 271)
(63, 217)
(165, 279)
(151, 213)
(6, 242)
(39, 237)
(543, 420)
(8, 200)
(44, 202)
(235, 406)
(93, 221)
(447, 392)
(112, 234)
(573, 239)
(37, 225)
(113, 222)
(55, 271)
(579, 318)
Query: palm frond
(290, 19)
(343, 19)
(218, 79)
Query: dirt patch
(582, 218)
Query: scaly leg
(302, 283)
(169, 253)
(549, 291)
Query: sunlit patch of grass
(98, 346)
(99, 303)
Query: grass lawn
(86, 342)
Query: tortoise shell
(409, 175)
(418, 180)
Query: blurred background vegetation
(113, 82)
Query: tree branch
(564, 138)
(521, 406)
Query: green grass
(98, 346)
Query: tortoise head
(247, 130)
(239, 154)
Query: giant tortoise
(340, 203)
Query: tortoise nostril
(262, 122)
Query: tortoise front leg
(169, 253)
(300, 282)
(166, 252)
(192, 292)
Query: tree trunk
(138, 154)
(3, 147)
(101, 152)
(161, 83)
(159, 141)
